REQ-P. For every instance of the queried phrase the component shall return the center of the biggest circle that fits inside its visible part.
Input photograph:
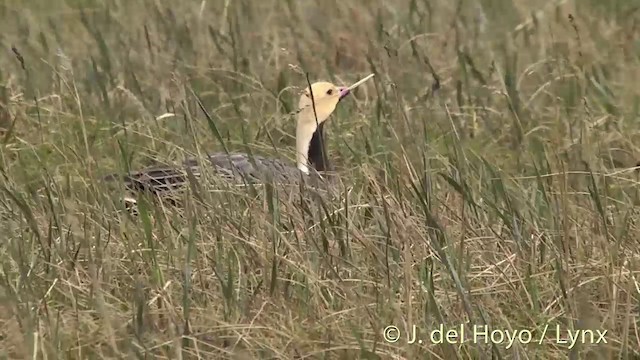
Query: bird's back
(235, 168)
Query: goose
(317, 103)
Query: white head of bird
(326, 97)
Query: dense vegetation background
(488, 178)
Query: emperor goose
(311, 161)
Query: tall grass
(488, 178)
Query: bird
(316, 104)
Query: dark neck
(317, 154)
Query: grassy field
(488, 179)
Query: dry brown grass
(488, 179)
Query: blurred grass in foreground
(488, 178)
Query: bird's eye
(330, 91)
